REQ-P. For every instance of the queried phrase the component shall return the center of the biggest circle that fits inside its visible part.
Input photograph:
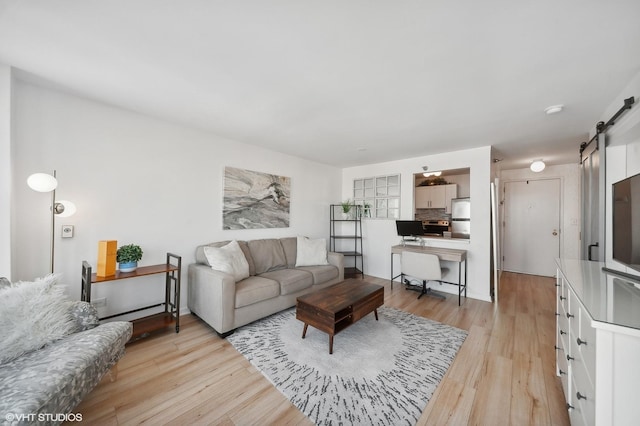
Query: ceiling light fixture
(429, 174)
(553, 109)
(537, 166)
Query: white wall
(380, 235)
(5, 171)
(569, 175)
(623, 155)
(139, 180)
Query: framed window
(379, 195)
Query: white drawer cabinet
(598, 344)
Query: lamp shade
(537, 166)
(42, 182)
(69, 208)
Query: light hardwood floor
(504, 373)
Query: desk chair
(425, 267)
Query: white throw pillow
(32, 315)
(311, 252)
(229, 259)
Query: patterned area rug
(381, 372)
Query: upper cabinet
(436, 197)
(436, 192)
(431, 197)
(450, 192)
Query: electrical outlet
(67, 231)
(99, 303)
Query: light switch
(67, 231)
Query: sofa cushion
(321, 273)
(57, 377)
(255, 289)
(291, 280)
(228, 259)
(290, 247)
(311, 252)
(32, 315)
(4, 282)
(268, 255)
(202, 258)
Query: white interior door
(531, 226)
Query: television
(409, 228)
(626, 222)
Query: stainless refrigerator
(461, 218)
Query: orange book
(107, 251)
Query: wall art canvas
(255, 200)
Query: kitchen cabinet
(450, 192)
(435, 197)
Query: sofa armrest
(337, 260)
(212, 296)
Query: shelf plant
(128, 256)
(346, 207)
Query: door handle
(554, 233)
(590, 247)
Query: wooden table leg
(375, 311)
(330, 344)
(304, 330)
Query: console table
(452, 255)
(598, 344)
(171, 269)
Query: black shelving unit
(345, 236)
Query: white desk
(451, 255)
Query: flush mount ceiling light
(537, 166)
(553, 109)
(429, 174)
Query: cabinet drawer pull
(557, 347)
(569, 406)
(557, 285)
(580, 396)
(563, 298)
(561, 372)
(557, 314)
(570, 316)
(570, 358)
(562, 332)
(581, 342)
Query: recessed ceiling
(343, 82)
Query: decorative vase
(128, 266)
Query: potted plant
(346, 208)
(128, 257)
(367, 210)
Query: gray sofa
(40, 386)
(274, 283)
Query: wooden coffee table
(337, 307)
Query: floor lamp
(43, 182)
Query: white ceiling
(343, 82)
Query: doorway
(531, 226)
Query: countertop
(608, 298)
